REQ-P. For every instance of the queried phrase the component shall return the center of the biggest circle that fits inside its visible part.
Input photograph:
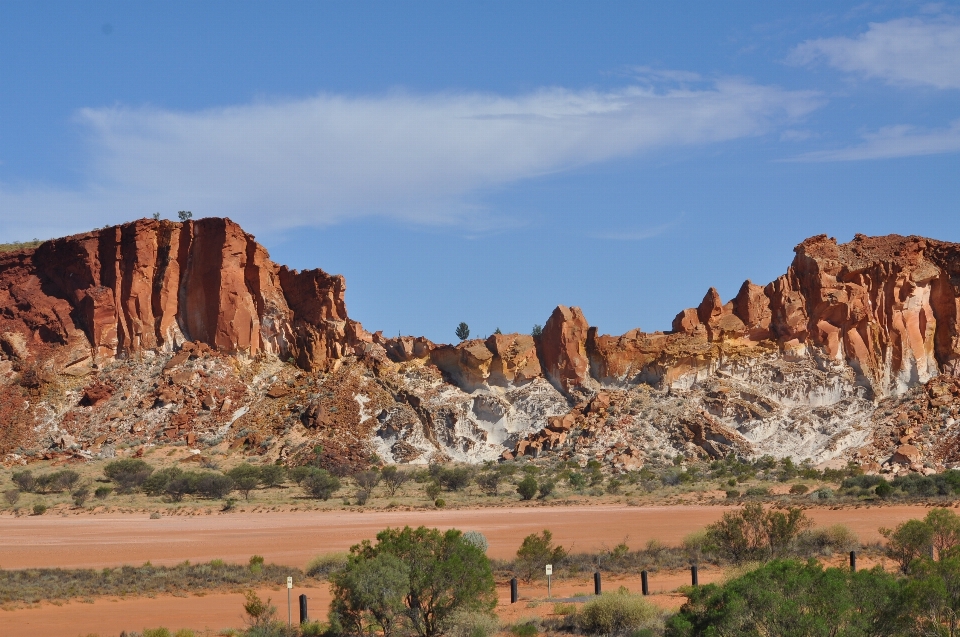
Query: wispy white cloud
(895, 141)
(422, 158)
(907, 51)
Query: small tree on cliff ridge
(536, 331)
(184, 215)
(463, 331)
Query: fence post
(643, 583)
(514, 596)
(303, 609)
(596, 583)
(693, 575)
(853, 561)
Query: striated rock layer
(154, 285)
(144, 330)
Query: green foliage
(411, 579)
(272, 475)
(156, 632)
(753, 533)
(524, 629)
(184, 215)
(439, 503)
(12, 496)
(39, 508)
(463, 331)
(527, 488)
(799, 489)
(80, 495)
(464, 623)
(908, 542)
(246, 478)
(546, 488)
(535, 552)
(432, 490)
(393, 478)
(616, 613)
(102, 492)
(536, 331)
(322, 566)
(452, 478)
(259, 613)
(24, 480)
(478, 539)
(128, 473)
(791, 599)
(320, 483)
(577, 480)
(489, 482)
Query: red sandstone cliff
(157, 284)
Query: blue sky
(486, 161)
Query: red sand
(294, 538)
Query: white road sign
(549, 569)
(289, 582)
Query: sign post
(289, 607)
(549, 573)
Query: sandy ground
(294, 538)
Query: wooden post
(303, 609)
(514, 596)
(596, 583)
(643, 583)
(693, 575)
(853, 561)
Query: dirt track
(294, 538)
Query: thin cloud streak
(907, 51)
(893, 141)
(420, 158)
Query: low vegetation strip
(56, 584)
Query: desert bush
(454, 478)
(465, 623)
(616, 613)
(394, 478)
(535, 552)
(12, 496)
(489, 482)
(322, 566)
(128, 473)
(156, 632)
(39, 508)
(298, 474)
(527, 488)
(439, 503)
(525, 629)
(577, 480)
(366, 483)
(799, 489)
(432, 489)
(272, 475)
(478, 539)
(102, 492)
(214, 485)
(24, 480)
(320, 484)
(546, 488)
(753, 533)
(246, 478)
(411, 580)
(732, 494)
(80, 495)
(827, 541)
(156, 484)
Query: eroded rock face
(151, 285)
(563, 343)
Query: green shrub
(320, 484)
(535, 552)
(128, 473)
(39, 508)
(546, 488)
(478, 539)
(464, 623)
(272, 475)
(614, 613)
(454, 478)
(245, 478)
(799, 489)
(322, 566)
(524, 629)
(757, 492)
(102, 492)
(24, 480)
(883, 490)
(432, 490)
(439, 503)
(156, 632)
(561, 608)
(732, 494)
(12, 496)
(527, 488)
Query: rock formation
(141, 331)
(154, 285)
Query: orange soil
(293, 538)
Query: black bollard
(693, 575)
(514, 595)
(853, 561)
(596, 583)
(303, 609)
(643, 583)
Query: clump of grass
(617, 613)
(322, 566)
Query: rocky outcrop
(563, 344)
(154, 285)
